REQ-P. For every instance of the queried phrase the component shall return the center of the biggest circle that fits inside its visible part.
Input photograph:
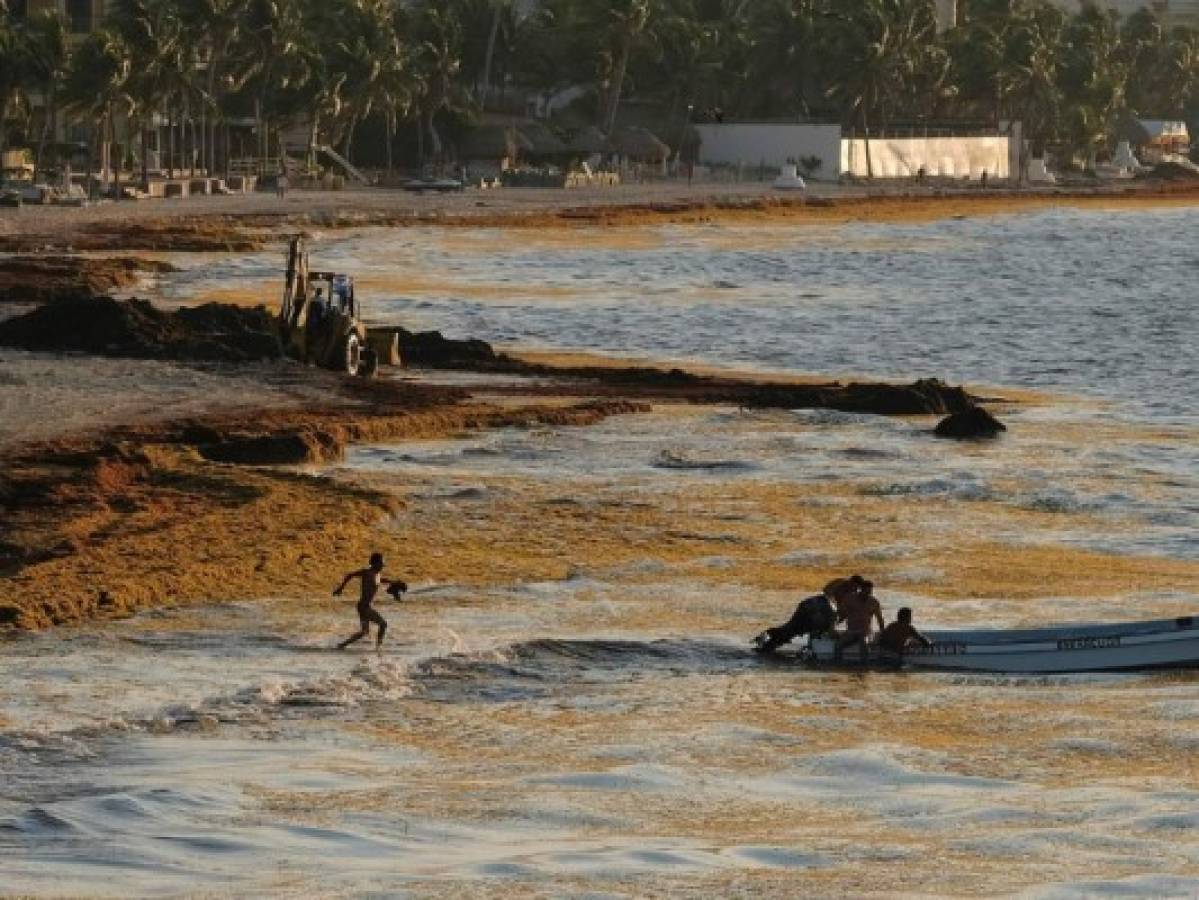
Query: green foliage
(335, 63)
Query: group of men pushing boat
(850, 601)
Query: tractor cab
(337, 289)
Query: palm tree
(787, 37)
(281, 53)
(620, 21)
(12, 76)
(46, 55)
(217, 24)
(1029, 72)
(1177, 77)
(97, 86)
(438, 60)
(367, 66)
(500, 8)
(882, 47)
(391, 86)
(152, 33)
(1092, 77)
(688, 49)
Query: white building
(826, 154)
(947, 14)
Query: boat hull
(1132, 646)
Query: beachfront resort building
(828, 152)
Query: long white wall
(940, 157)
(770, 144)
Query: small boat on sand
(1118, 647)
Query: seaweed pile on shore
(156, 515)
(103, 326)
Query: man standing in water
(860, 610)
(372, 579)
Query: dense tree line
(422, 67)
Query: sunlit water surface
(607, 733)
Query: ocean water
(1097, 303)
(605, 732)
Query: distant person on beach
(281, 184)
(900, 635)
(813, 616)
(372, 579)
(859, 610)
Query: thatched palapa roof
(587, 141)
(494, 142)
(544, 142)
(640, 144)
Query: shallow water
(605, 732)
(1093, 302)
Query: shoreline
(114, 499)
(252, 222)
(222, 505)
(117, 519)
(237, 504)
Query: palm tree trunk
(490, 55)
(313, 137)
(170, 146)
(47, 124)
(349, 143)
(391, 130)
(146, 153)
(116, 169)
(866, 134)
(259, 125)
(106, 147)
(434, 137)
(420, 136)
(622, 64)
(189, 137)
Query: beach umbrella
(587, 141)
(640, 144)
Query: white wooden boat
(1118, 647)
